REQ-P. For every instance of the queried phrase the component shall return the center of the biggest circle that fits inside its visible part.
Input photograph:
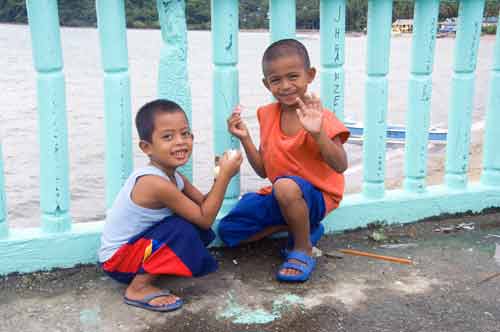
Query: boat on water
(395, 133)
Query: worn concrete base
(439, 292)
(31, 249)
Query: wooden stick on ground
(376, 256)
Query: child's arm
(237, 127)
(311, 116)
(165, 193)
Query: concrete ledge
(399, 206)
(30, 249)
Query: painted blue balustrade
(282, 19)
(54, 170)
(462, 94)
(112, 31)
(376, 95)
(419, 93)
(491, 157)
(4, 230)
(173, 81)
(332, 38)
(39, 248)
(225, 84)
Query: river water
(84, 97)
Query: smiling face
(171, 141)
(287, 78)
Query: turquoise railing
(59, 242)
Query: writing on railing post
(419, 94)
(332, 38)
(462, 93)
(54, 169)
(225, 82)
(112, 31)
(376, 97)
(173, 81)
(491, 157)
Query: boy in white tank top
(160, 224)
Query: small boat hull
(396, 133)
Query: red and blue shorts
(173, 246)
(255, 212)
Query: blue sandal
(306, 269)
(144, 303)
(315, 236)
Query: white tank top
(127, 219)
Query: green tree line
(253, 13)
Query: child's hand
(310, 114)
(230, 163)
(236, 125)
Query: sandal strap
(294, 266)
(153, 296)
(301, 257)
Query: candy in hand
(232, 153)
(238, 109)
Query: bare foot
(134, 293)
(142, 286)
(293, 272)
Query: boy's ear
(311, 74)
(264, 81)
(145, 146)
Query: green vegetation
(253, 13)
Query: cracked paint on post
(51, 99)
(376, 95)
(419, 94)
(117, 106)
(332, 38)
(225, 93)
(173, 80)
(462, 85)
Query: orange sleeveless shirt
(300, 154)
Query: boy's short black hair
(145, 118)
(285, 47)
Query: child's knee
(286, 191)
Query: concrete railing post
(332, 37)
(282, 19)
(376, 97)
(4, 229)
(112, 31)
(51, 98)
(225, 83)
(491, 157)
(462, 93)
(419, 94)
(173, 80)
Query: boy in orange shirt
(300, 152)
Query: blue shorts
(255, 212)
(173, 246)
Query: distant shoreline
(298, 31)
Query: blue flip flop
(144, 303)
(315, 236)
(305, 270)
